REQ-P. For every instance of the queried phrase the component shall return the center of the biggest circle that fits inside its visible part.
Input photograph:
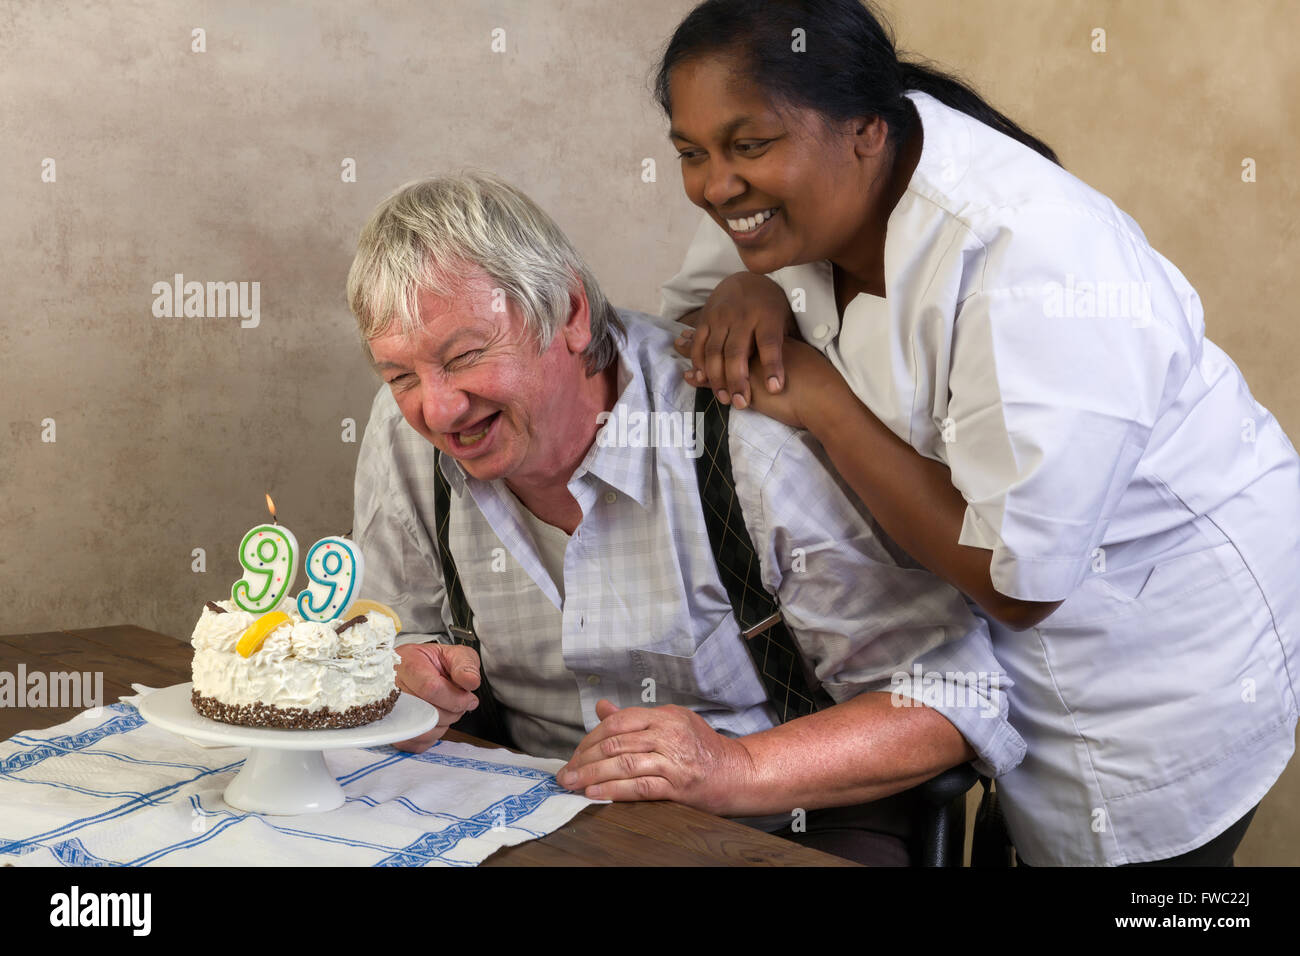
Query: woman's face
(787, 188)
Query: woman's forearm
(911, 496)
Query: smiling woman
(1088, 469)
(824, 145)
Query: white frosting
(300, 664)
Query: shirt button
(821, 331)
(593, 679)
(610, 497)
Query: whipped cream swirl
(301, 663)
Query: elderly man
(580, 543)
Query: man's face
(473, 383)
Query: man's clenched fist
(443, 674)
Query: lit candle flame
(270, 506)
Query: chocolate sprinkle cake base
(292, 718)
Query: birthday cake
(278, 670)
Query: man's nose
(721, 184)
(443, 404)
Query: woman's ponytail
(952, 92)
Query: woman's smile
(750, 229)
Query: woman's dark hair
(850, 69)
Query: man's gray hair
(430, 233)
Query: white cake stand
(285, 772)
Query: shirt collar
(945, 148)
(623, 465)
(453, 472)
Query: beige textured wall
(225, 165)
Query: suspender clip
(761, 626)
(463, 635)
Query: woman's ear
(870, 135)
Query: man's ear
(577, 330)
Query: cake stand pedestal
(285, 772)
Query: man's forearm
(861, 750)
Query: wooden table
(617, 834)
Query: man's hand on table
(658, 753)
(443, 674)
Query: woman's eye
(689, 154)
(753, 146)
(401, 381)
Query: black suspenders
(485, 721)
(792, 689)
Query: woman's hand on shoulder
(745, 311)
(811, 396)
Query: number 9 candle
(269, 555)
(334, 567)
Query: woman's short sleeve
(1062, 360)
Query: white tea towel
(106, 789)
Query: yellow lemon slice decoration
(251, 640)
(365, 605)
